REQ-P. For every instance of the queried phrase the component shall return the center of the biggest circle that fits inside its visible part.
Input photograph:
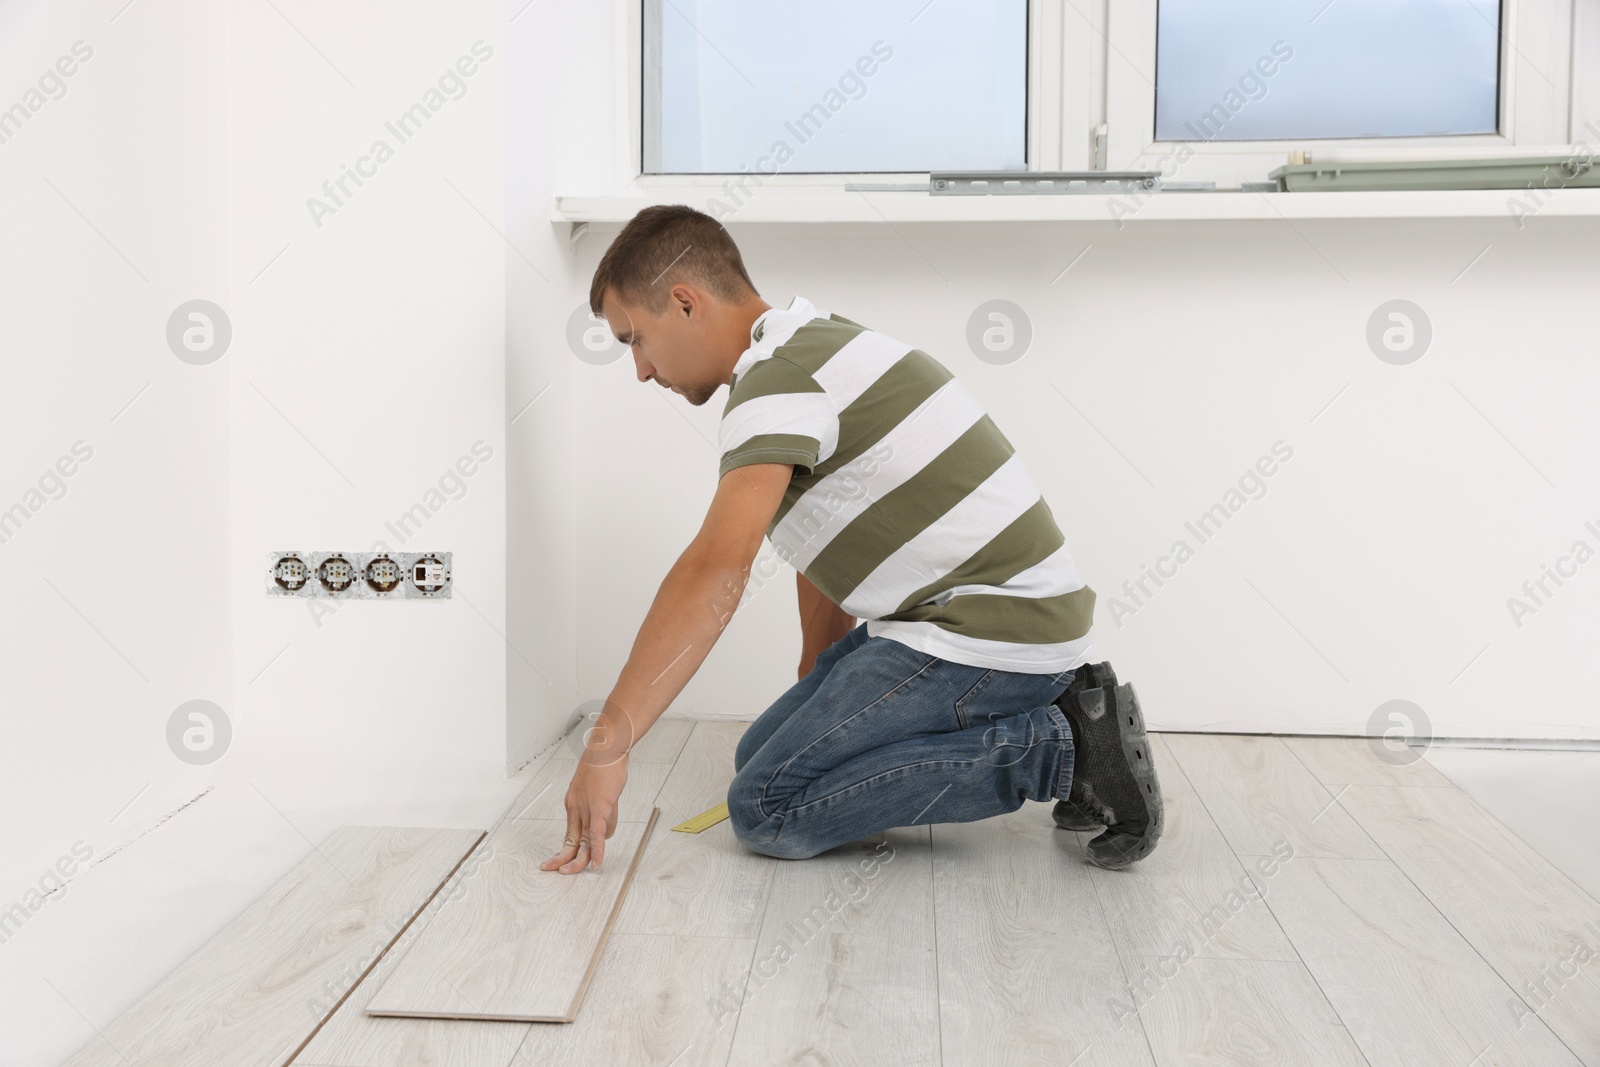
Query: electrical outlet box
(359, 575)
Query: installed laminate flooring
(705, 884)
(1310, 903)
(1192, 895)
(253, 993)
(1026, 977)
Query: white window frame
(1092, 62)
(1583, 121)
(1057, 108)
(1535, 44)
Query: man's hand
(591, 813)
(694, 604)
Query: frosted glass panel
(835, 85)
(1244, 70)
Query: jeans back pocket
(962, 702)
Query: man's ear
(687, 300)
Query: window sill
(821, 204)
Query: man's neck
(744, 316)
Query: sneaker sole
(1116, 848)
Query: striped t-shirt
(907, 507)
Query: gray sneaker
(1113, 759)
(1080, 809)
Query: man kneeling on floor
(967, 689)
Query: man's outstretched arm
(822, 622)
(695, 602)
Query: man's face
(676, 349)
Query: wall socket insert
(359, 575)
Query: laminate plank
(258, 990)
(1342, 761)
(1407, 985)
(1548, 797)
(1240, 1013)
(1027, 965)
(1527, 919)
(844, 969)
(352, 1038)
(638, 793)
(706, 884)
(1190, 894)
(539, 782)
(1260, 795)
(656, 999)
(662, 742)
(517, 944)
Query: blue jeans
(879, 734)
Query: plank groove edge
(616, 907)
(378, 957)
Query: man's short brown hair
(665, 244)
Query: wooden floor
(255, 991)
(1308, 904)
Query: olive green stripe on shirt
(777, 376)
(917, 503)
(873, 415)
(1025, 542)
(770, 448)
(885, 404)
(1019, 619)
(814, 343)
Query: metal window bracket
(1033, 182)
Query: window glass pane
(835, 85)
(1244, 70)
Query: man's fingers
(570, 843)
(576, 857)
(599, 843)
(579, 860)
(566, 853)
(581, 851)
(588, 827)
(591, 848)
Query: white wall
(374, 361)
(368, 355)
(114, 211)
(1378, 564)
(547, 46)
